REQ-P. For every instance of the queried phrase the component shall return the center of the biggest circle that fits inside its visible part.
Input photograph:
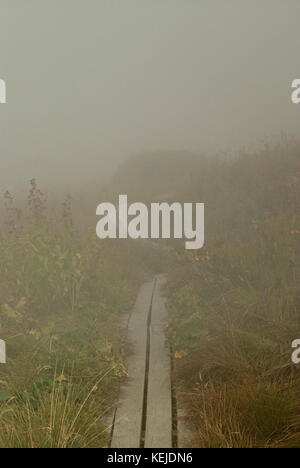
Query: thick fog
(91, 83)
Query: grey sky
(91, 82)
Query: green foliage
(61, 303)
(234, 307)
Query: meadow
(64, 298)
(234, 306)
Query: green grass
(62, 299)
(234, 307)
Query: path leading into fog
(144, 415)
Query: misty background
(92, 83)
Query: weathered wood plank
(185, 432)
(159, 400)
(128, 421)
(2, 352)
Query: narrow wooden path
(144, 415)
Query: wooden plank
(159, 399)
(128, 420)
(2, 352)
(185, 432)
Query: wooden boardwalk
(144, 415)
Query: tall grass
(64, 417)
(234, 307)
(62, 297)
